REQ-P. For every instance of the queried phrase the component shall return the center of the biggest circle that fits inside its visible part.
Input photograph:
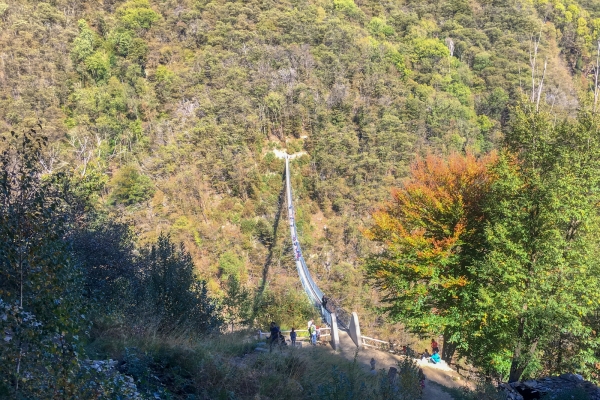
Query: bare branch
(541, 85)
(596, 89)
(532, 60)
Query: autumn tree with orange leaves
(430, 233)
(500, 253)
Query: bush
(230, 265)
(130, 186)
(104, 250)
(353, 385)
(137, 15)
(42, 315)
(171, 294)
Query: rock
(535, 389)
(511, 393)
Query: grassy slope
(228, 367)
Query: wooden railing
(376, 343)
(402, 349)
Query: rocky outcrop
(535, 389)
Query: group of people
(434, 357)
(277, 338)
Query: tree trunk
(516, 370)
(448, 348)
(519, 363)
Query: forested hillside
(164, 113)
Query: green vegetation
(501, 248)
(157, 193)
(170, 112)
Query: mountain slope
(169, 109)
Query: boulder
(536, 389)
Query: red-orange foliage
(429, 228)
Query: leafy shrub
(83, 45)
(429, 48)
(130, 187)
(288, 308)
(98, 66)
(230, 265)
(171, 293)
(378, 28)
(104, 250)
(461, 92)
(481, 61)
(348, 7)
(137, 15)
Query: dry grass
(228, 367)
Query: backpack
(312, 329)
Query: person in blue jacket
(293, 337)
(435, 358)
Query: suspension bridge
(337, 318)
(344, 329)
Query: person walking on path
(373, 370)
(293, 337)
(275, 332)
(434, 346)
(312, 331)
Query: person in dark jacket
(274, 338)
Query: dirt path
(448, 378)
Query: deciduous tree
(430, 234)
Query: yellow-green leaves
(348, 7)
(379, 28)
(137, 15)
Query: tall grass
(483, 391)
(228, 367)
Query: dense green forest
(139, 125)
